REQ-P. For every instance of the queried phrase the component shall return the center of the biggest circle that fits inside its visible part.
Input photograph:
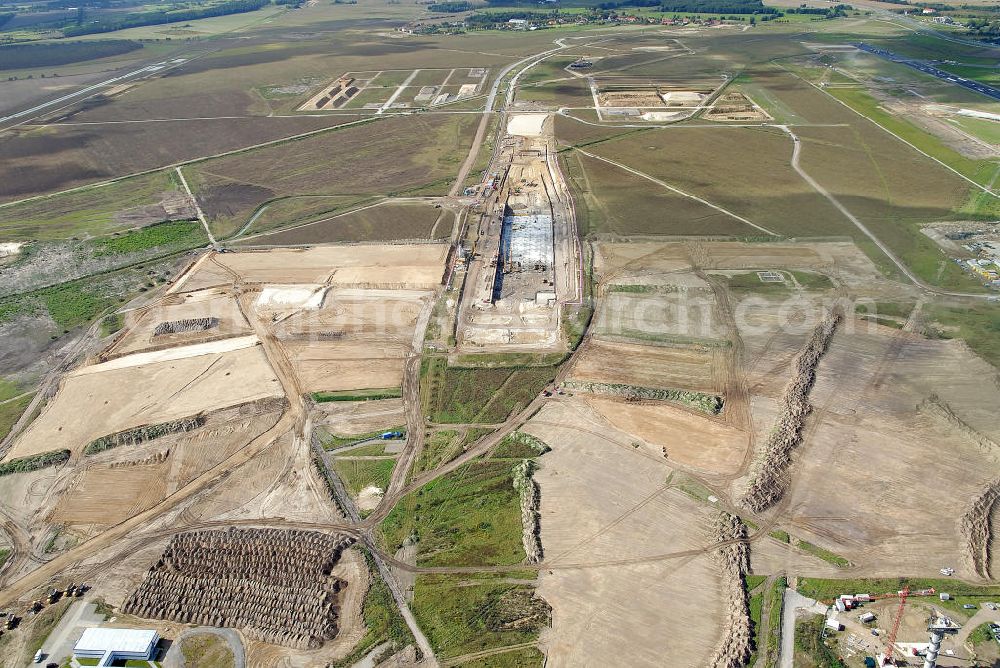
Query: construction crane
(887, 659)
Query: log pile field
(273, 584)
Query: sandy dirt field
(882, 479)
(169, 354)
(664, 367)
(602, 501)
(660, 317)
(348, 418)
(89, 405)
(419, 266)
(289, 297)
(840, 259)
(212, 303)
(347, 365)
(526, 125)
(119, 483)
(690, 440)
(348, 313)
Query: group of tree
(829, 12)
(162, 16)
(450, 7)
(18, 56)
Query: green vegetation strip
(138, 435)
(824, 554)
(34, 462)
(333, 442)
(707, 403)
(11, 410)
(824, 589)
(358, 395)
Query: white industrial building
(110, 645)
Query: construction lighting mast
(887, 659)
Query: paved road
(920, 65)
(174, 658)
(793, 601)
(982, 616)
(97, 87)
(59, 645)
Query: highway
(933, 71)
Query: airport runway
(933, 71)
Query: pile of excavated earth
(274, 584)
(770, 476)
(530, 518)
(977, 528)
(734, 648)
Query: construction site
(385, 90)
(657, 397)
(523, 257)
(624, 98)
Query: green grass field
(461, 616)
(443, 446)
(810, 647)
(478, 395)
(10, 412)
(470, 516)
(88, 212)
(392, 156)
(173, 234)
(978, 170)
(744, 170)
(988, 131)
(359, 473)
(978, 325)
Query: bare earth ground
(348, 418)
(109, 401)
(348, 365)
(603, 501)
(690, 440)
(213, 303)
(418, 266)
(881, 481)
(649, 366)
